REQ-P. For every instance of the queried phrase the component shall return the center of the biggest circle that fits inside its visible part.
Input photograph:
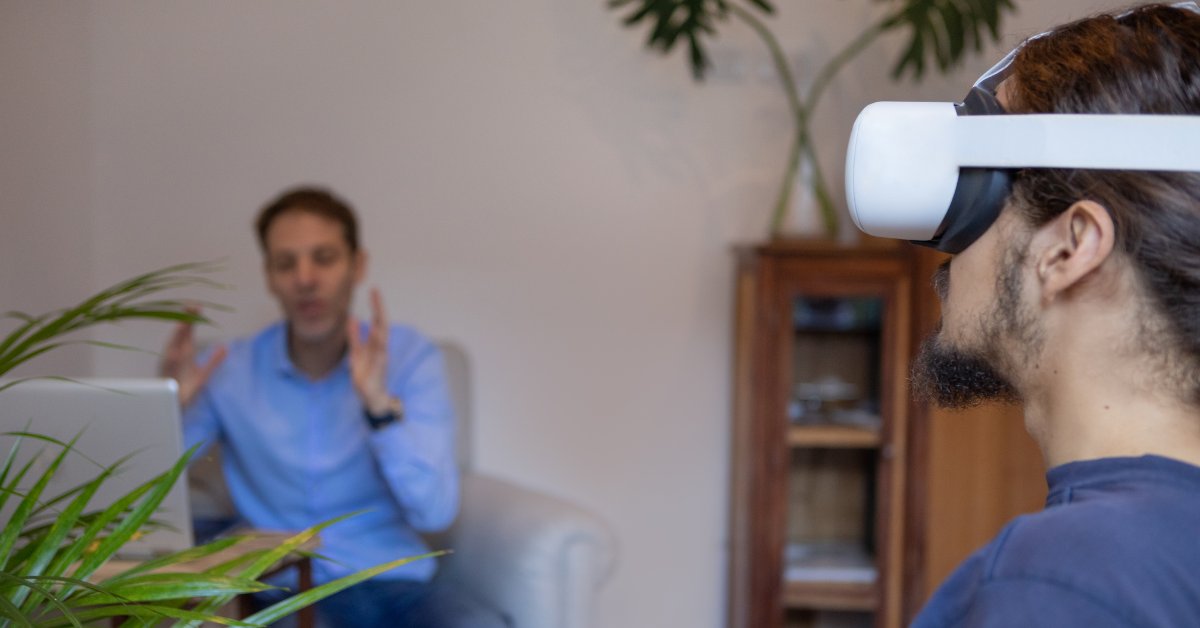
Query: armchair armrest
(538, 559)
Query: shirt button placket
(314, 436)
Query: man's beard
(957, 378)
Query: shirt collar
(282, 363)
(1064, 479)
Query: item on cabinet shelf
(857, 417)
(838, 314)
(828, 562)
(817, 401)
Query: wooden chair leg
(307, 615)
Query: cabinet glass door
(834, 434)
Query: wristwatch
(393, 414)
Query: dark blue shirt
(1117, 545)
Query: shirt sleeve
(416, 455)
(1035, 603)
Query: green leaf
(47, 549)
(152, 612)
(175, 558)
(156, 587)
(71, 493)
(236, 562)
(155, 491)
(17, 334)
(7, 487)
(10, 611)
(953, 25)
(764, 5)
(32, 583)
(269, 558)
(128, 299)
(25, 356)
(301, 600)
(665, 31)
(673, 21)
(17, 315)
(943, 30)
(636, 16)
(17, 520)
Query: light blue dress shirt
(298, 451)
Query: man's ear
(1073, 246)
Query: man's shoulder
(1042, 541)
(407, 333)
(1102, 554)
(1130, 550)
(406, 341)
(1072, 536)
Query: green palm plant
(940, 32)
(52, 546)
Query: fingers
(352, 336)
(376, 340)
(180, 338)
(378, 318)
(379, 325)
(179, 351)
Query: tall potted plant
(940, 33)
(52, 545)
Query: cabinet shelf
(834, 436)
(834, 596)
(801, 330)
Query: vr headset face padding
(980, 193)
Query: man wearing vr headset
(1078, 295)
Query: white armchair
(538, 559)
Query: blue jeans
(404, 604)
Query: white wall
(45, 222)
(535, 186)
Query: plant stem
(860, 43)
(802, 114)
(799, 115)
(820, 83)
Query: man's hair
(313, 200)
(1144, 62)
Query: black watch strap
(394, 413)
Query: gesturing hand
(179, 362)
(368, 358)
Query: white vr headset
(938, 174)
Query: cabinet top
(791, 247)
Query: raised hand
(179, 363)
(368, 358)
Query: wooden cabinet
(850, 502)
(823, 343)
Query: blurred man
(321, 415)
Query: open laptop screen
(115, 417)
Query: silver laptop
(115, 418)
